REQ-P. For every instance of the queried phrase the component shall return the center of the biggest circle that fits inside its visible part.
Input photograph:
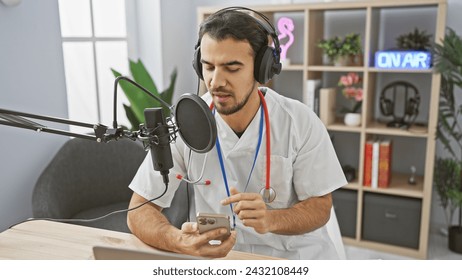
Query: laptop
(115, 253)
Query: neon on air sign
(403, 60)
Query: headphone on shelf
(267, 60)
(411, 104)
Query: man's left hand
(251, 209)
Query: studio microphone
(159, 141)
(194, 123)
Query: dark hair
(237, 25)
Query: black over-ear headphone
(267, 60)
(411, 105)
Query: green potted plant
(447, 61)
(447, 182)
(415, 40)
(344, 51)
(140, 100)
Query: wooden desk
(45, 240)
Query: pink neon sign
(285, 27)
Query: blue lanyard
(222, 164)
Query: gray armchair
(86, 179)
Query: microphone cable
(92, 219)
(187, 192)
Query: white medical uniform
(303, 165)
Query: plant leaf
(167, 94)
(138, 99)
(131, 117)
(141, 76)
(135, 96)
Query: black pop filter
(196, 123)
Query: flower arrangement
(351, 85)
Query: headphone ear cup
(412, 107)
(263, 67)
(196, 63)
(386, 106)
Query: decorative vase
(352, 119)
(344, 60)
(357, 60)
(455, 239)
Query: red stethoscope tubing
(268, 139)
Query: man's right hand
(153, 228)
(194, 243)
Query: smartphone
(206, 222)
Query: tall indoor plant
(140, 100)
(448, 62)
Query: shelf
(399, 186)
(381, 128)
(380, 70)
(378, 23)
(331, 68)
(339, 126)
(292, 67)
(354, 185)
(383, 247)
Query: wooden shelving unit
(367, 15)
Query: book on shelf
(309, 97)
(327, 105)
(316, 101)
(375, 164)
(367, 172)
(385, 163)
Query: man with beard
(288, 217)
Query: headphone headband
(269, 27)
(267, 59)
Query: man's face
(227, 68)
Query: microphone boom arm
(102, 132)
(18, 119)
(157, 133)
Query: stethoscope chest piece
(268, 195)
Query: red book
(367, 174)
(385, 163)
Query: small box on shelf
(384, 216)
(311, 95)
(327, 106)
(345, 205)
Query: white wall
(32, 80)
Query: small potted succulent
(416, 40)
(346, 51)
